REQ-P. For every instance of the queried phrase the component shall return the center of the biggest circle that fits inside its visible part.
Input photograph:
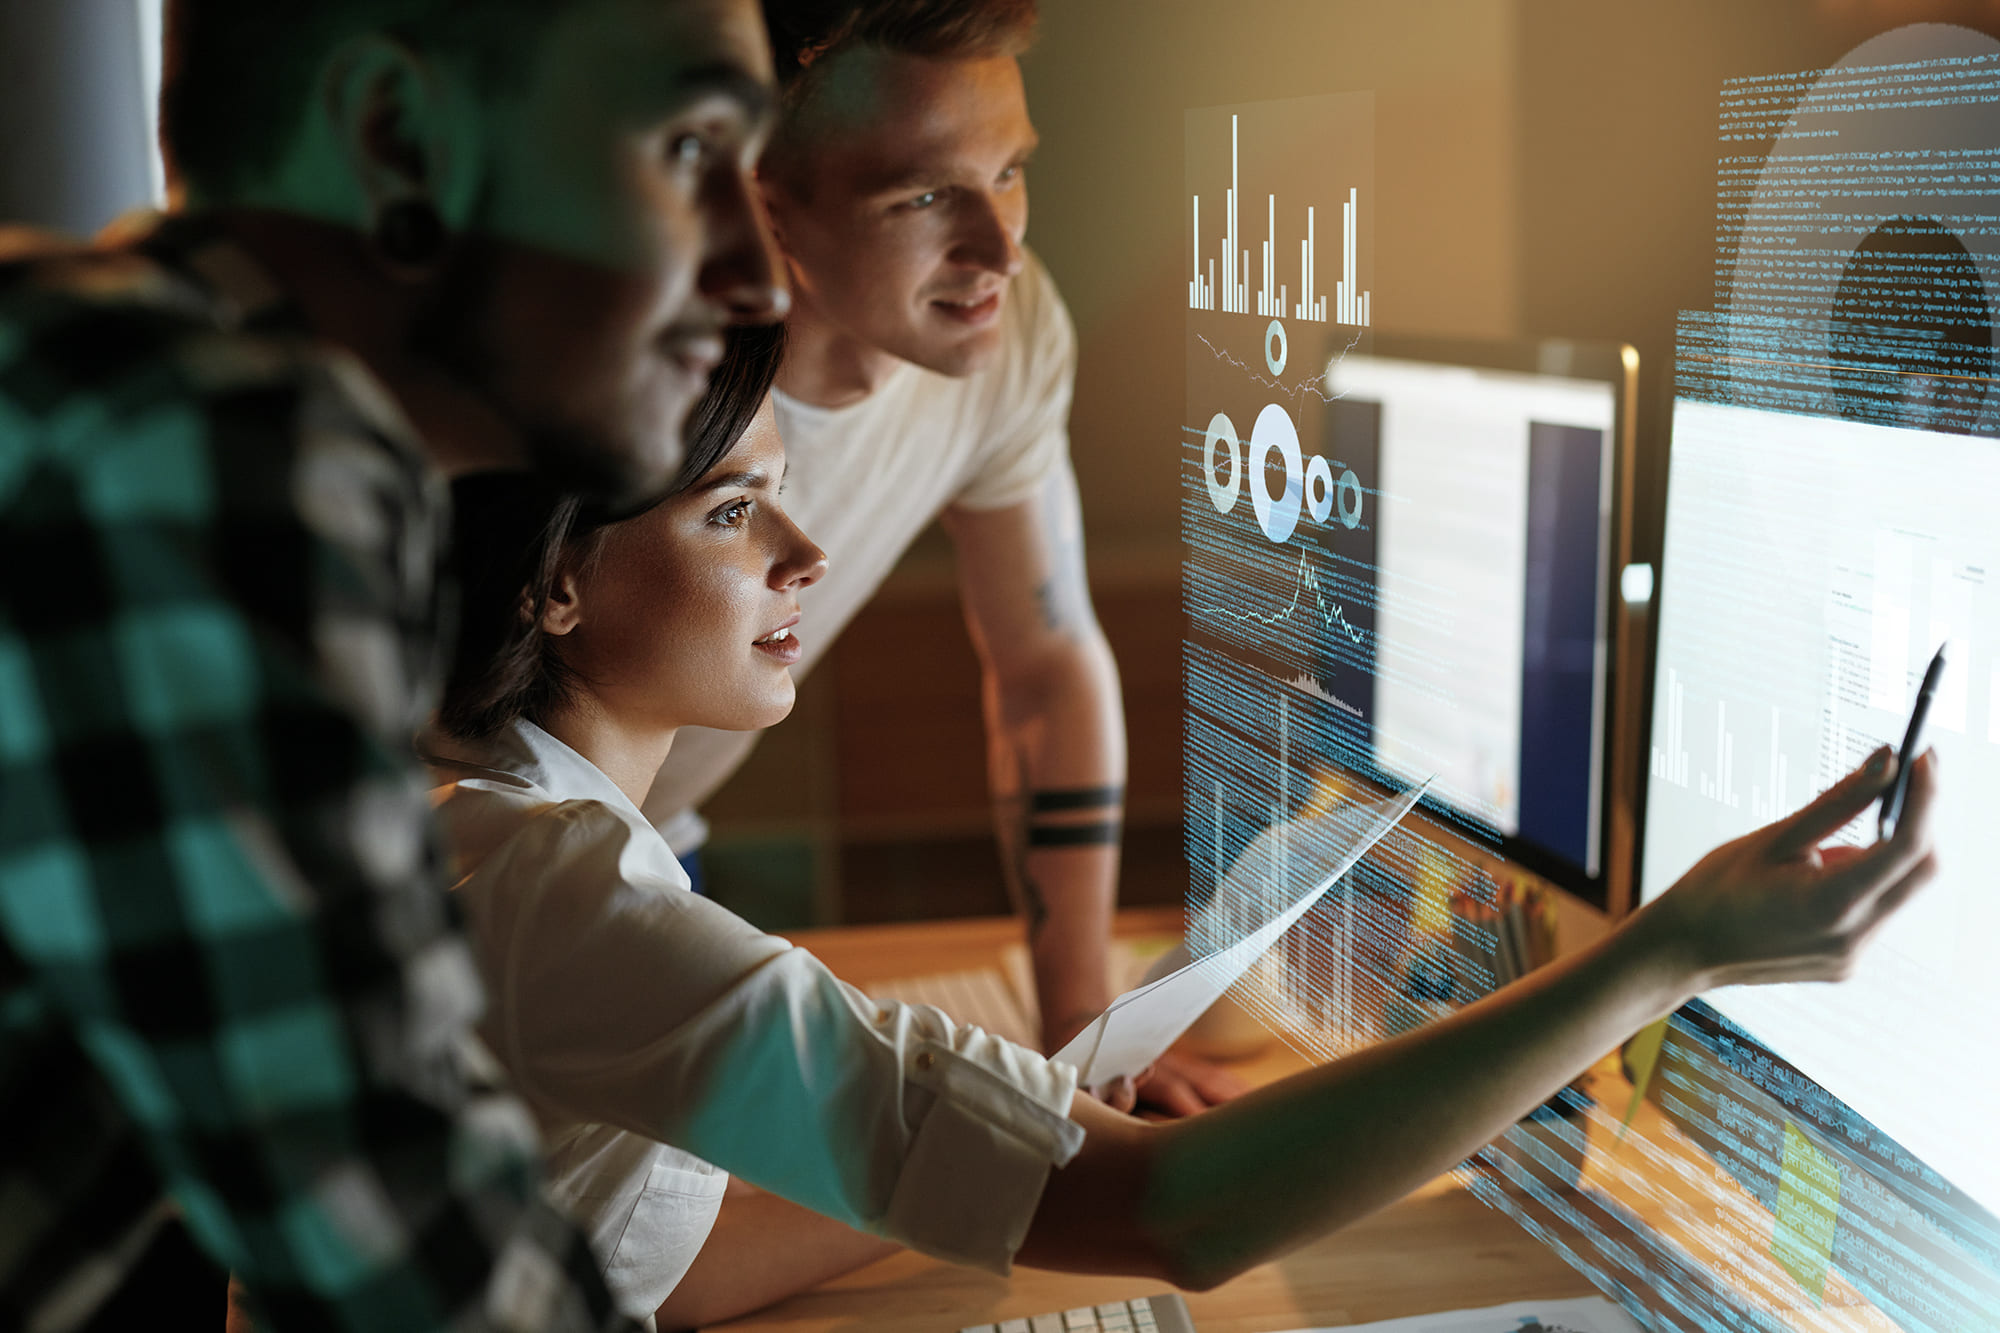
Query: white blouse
(633, 1015)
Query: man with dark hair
(423, 238)
(929, 375)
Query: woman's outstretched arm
(1199, 1201)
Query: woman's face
(686, 615)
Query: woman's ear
(564, 610)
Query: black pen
(1913, 736)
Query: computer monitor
(1811, 566)
(1503, 470)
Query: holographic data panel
(1280, 508)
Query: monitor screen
(1812, 565)
(1494, 554)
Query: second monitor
(1502, 521)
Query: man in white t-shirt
(929, 377)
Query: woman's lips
(782, 645)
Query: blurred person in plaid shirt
(420, 238)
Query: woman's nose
(803, 563)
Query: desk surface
(1438, 1249)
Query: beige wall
(1108, 86)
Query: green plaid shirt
(228, 971)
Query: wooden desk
(1438, 1249)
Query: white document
(1141, 1024)
(1586, 1314)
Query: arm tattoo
(1016, 839)
(1075, 798)
(1064, 596)
(1045, 597)
(1047, 823)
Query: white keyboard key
(1165, 1313)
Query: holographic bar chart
(1230, 289)
(1353, 303)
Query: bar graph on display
(1770, 797)
(1670, 757)
(1720, 784)
(1230, 288)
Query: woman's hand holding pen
(1775, 905)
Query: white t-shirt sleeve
(1035, 379)
(625, 1001)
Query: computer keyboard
(1165, 1313)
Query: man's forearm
(1077, 889)
(1060, 798)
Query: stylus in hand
(1913, 736)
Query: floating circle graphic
(1222, 430)
(1274, 430)
(1350, 485)
(1276, 361)
(1319, 489)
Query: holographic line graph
(1303, 387)
(1308, 581)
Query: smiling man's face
(901, 199)
(620, 233)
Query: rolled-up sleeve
(626, 1001)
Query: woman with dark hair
(632, 1014)
(560, 602)
(541, 633)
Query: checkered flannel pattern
(228, 972)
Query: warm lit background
(1544, 167)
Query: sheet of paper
(1140, 1024)
(1586, 1314)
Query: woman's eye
(924, 200)
(733, 514)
